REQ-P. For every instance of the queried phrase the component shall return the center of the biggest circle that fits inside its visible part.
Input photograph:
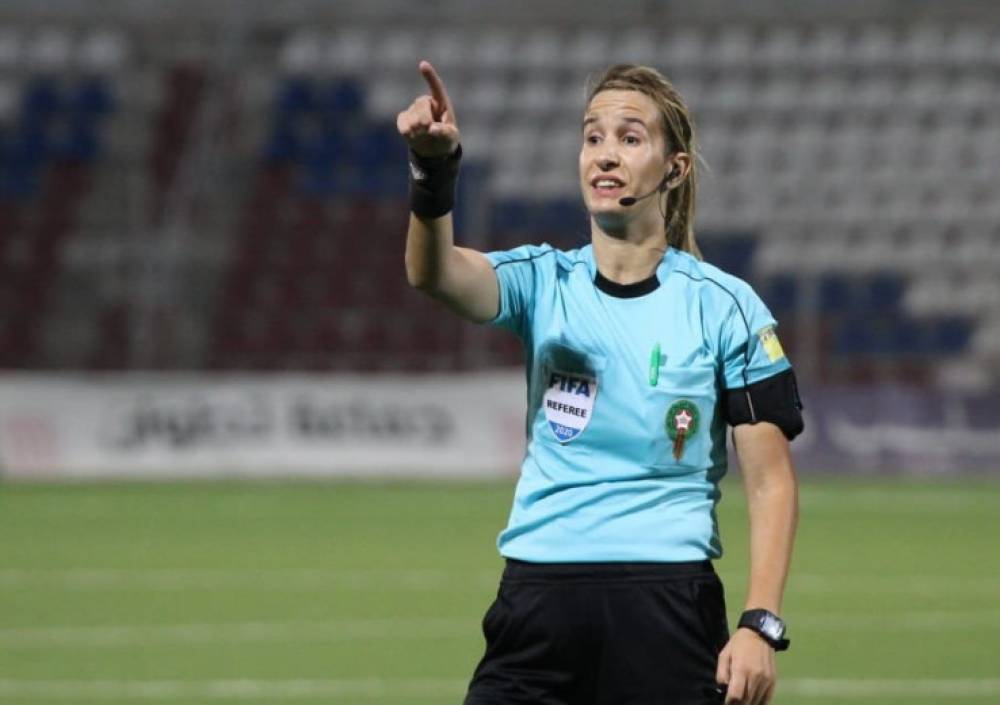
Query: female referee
(638, 355)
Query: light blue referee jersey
(626, 439)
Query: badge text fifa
(572, 385)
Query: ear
(679, 166)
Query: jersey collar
(627, 291)
(635, 289)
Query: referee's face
(622, 155)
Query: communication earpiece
(669, 178)
(665, 185)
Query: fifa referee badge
(681, 423)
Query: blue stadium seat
(92, 96)
(26, 147)
(731, 253)
(380, 145)
(906, 338)
(42, 98)
(779, 293)
(79, 143)
(884, 292)
(511, 216)
(343, 98)
(565, 215)
(393, 181)
(283, 144)
(853, 335)
(18, 183)
(835, 294)
(949, 336)
(296, 95)
(331, 147)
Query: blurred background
(202, 216)
(220, 188)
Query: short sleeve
(518, 279)
(750, 347)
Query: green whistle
(654, 365)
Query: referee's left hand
(746, 664)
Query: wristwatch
(768, 625)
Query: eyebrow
(593, 119)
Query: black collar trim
(626, 291)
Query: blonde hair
(678, 134)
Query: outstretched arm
(747, 661)
(460, 277)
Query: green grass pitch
(373, 593)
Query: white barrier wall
(185, 426)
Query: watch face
(772, 626)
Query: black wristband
(432, 183)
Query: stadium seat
(103, 51)
(779, 46)
(303, 53)
(11, 48)
(348, 52)
(341, 99)
(780, 294)
(540, 52)
(49, 50)
(495, 51)
(586, 50)
(637, 45)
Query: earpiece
(668, 179)
(665, 185)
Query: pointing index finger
(438, 92)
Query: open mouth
(607, 186)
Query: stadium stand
(852, 172)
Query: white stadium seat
(399, 49)
(732, 46)
(103, 51)
(828, 47)
(11, 48)
(922, 44)
(684, 47)
(780, 46)
(968, 44)
(588, 50)
(448, 51)
(537, 96)
(637, 46)
(50, 50)
(541, 50)
(388, 97)
(10, 100)
(348, 51)
(875, 44)
(494, 52)
(302, 53)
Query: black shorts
(603, 634)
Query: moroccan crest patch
(681, 423)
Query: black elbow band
(432, 183)
(775, 400)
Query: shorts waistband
(524, 571)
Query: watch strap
(755, 619)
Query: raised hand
(429, 125)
